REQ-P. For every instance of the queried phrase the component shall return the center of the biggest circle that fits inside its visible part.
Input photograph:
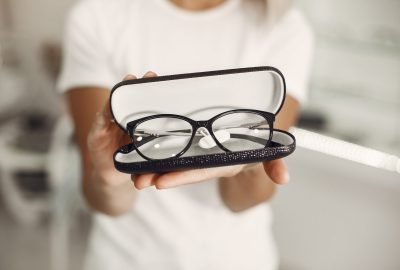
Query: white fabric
(187, 227)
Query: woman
(222, 221)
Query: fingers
(97, 132)
(129, 77)
(171, 179)
(174, 179)
(277, 171)
(144, 180)
(178, 178)
(149, 74)
(100, 122)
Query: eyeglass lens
(247, 131)
(162, 138)
(166, 137)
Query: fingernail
(129, 77)
(149, 74)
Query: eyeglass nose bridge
(201, 126)
(202, 123)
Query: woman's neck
(197, 4)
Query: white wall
(355, 79)
(33, 24)
(337, 214)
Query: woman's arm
(252, 185)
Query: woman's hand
(105, 189)
(103, 139)
(276, 170)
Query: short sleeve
(85, 60)
(294, 55)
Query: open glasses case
(200, 96)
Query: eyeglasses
(163, 136)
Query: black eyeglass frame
(132, 125)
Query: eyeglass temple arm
(187, 132)
(166, 133)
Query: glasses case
(200, 96)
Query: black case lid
(202, 94)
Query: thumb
(100, 127)
(277, 171)
(101, 122)
(98, 130)
(106, 112)
(103, 118)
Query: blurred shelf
(354, 116)
(380, 47)
(326, 91)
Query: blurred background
(341, 210)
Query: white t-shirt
(187, 227)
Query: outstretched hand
(103, 139)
